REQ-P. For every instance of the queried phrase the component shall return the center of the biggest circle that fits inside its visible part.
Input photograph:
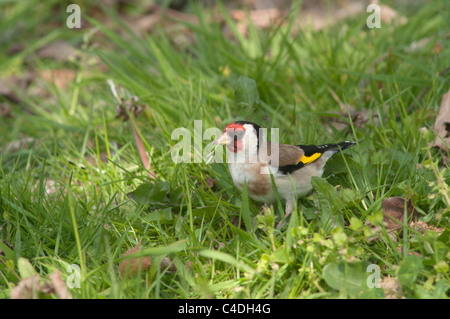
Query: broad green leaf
(218, 255)
(207, 211)
(409, 269)
(150, 192)
(329, 201)
(246, 92)
(173, 248)
(9, 254)
(25, 268)
(348, 277)
(249, 238)
(159, 215)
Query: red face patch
(234, 126)
(236, 132)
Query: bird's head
(241, 136)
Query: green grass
(78, 145)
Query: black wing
(313, 153)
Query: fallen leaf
(27, 288)
(392, 288)
(437, 48)
(128, 109)
(314, 14)
(33, 286)
(262, 18)
(59, 286)
(423, 227)
(141, 149)
(156, 17)
(61, 78)
(58, 50)
(394, 210)
(390, 16)
(442, 124)
(132, 266)
(393, 215)
(166, 263)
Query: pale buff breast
(259, 185)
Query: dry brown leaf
(59, 286)
(156, 17)
(31, 287)
(319, 17)
(437, 48)
(141, 148)
(393, 215)
(124, 110)
(389, 15)
(58, 50)
(442, 124)
(132, 266)
(263, 18)
(392, 288)
(423, 227)
(393, 211)
(166, 263)
(27, 288)
(61, 78)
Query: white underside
(288, 186)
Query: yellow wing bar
(310, 159)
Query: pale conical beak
(223, 139)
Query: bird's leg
(316, 204)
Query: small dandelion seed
(209, 157)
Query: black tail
(345, 145)
(313, 149)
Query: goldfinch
(251, 161)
